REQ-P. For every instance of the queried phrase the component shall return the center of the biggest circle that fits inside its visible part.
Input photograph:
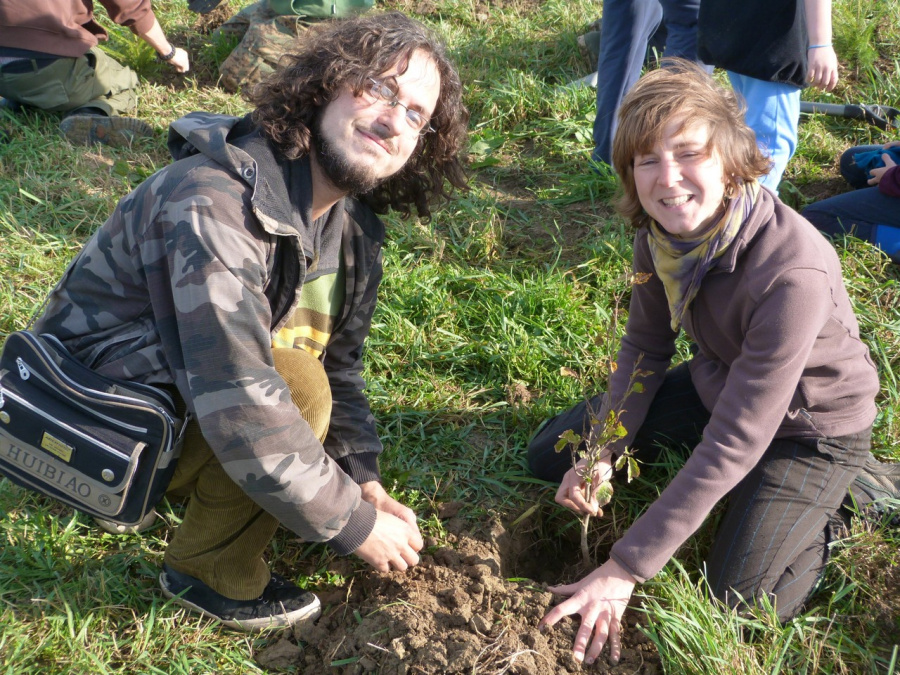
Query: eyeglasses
(382, 92)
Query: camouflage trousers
(93, 80)
(224, 534)
(264, 38)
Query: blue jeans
(865, 213)
(773, 112)
(626, 27)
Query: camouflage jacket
(187, 282)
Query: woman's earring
(729, 191)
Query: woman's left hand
(600, 598)
(823, 68)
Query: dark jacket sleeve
(352, 437)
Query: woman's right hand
(572, 492)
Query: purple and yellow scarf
(681, 263)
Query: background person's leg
(866, 214)
(854, 213)
(773, 112)
(680, 18)
(626, 27)
(93, 80)
(113, 87)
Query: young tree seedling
(604, 429)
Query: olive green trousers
(93, 80)
(224, 534)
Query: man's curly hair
(345, 53)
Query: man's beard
(354, 179)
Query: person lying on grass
(870, 212)
(775, 409)
(244, 277)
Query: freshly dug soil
(455, 612)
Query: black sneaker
(281, 602)
(877, 488)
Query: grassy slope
(481, 309)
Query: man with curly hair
(244, 277)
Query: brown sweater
(66, 27)
(779, 356)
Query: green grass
(481, 309)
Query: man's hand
(377, 496)
(181, 62)
(600, 598)
(573, 490)
(395, 541)
(880, 171)
(393, 544)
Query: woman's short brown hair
(682, 89)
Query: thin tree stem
(585, 551)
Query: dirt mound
(456, 612)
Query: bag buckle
(24, 373)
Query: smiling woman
(680, 182)
(777, 404)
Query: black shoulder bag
(104, 446)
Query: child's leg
(773, 112)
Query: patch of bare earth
(824, 189)
(535, 228)
(458, 611)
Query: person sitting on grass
(775, 409)
(49, 59)
(872, 211)
(244, 277)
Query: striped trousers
(773, 539)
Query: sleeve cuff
(628, 568)
(356, 531)
(362, 468)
